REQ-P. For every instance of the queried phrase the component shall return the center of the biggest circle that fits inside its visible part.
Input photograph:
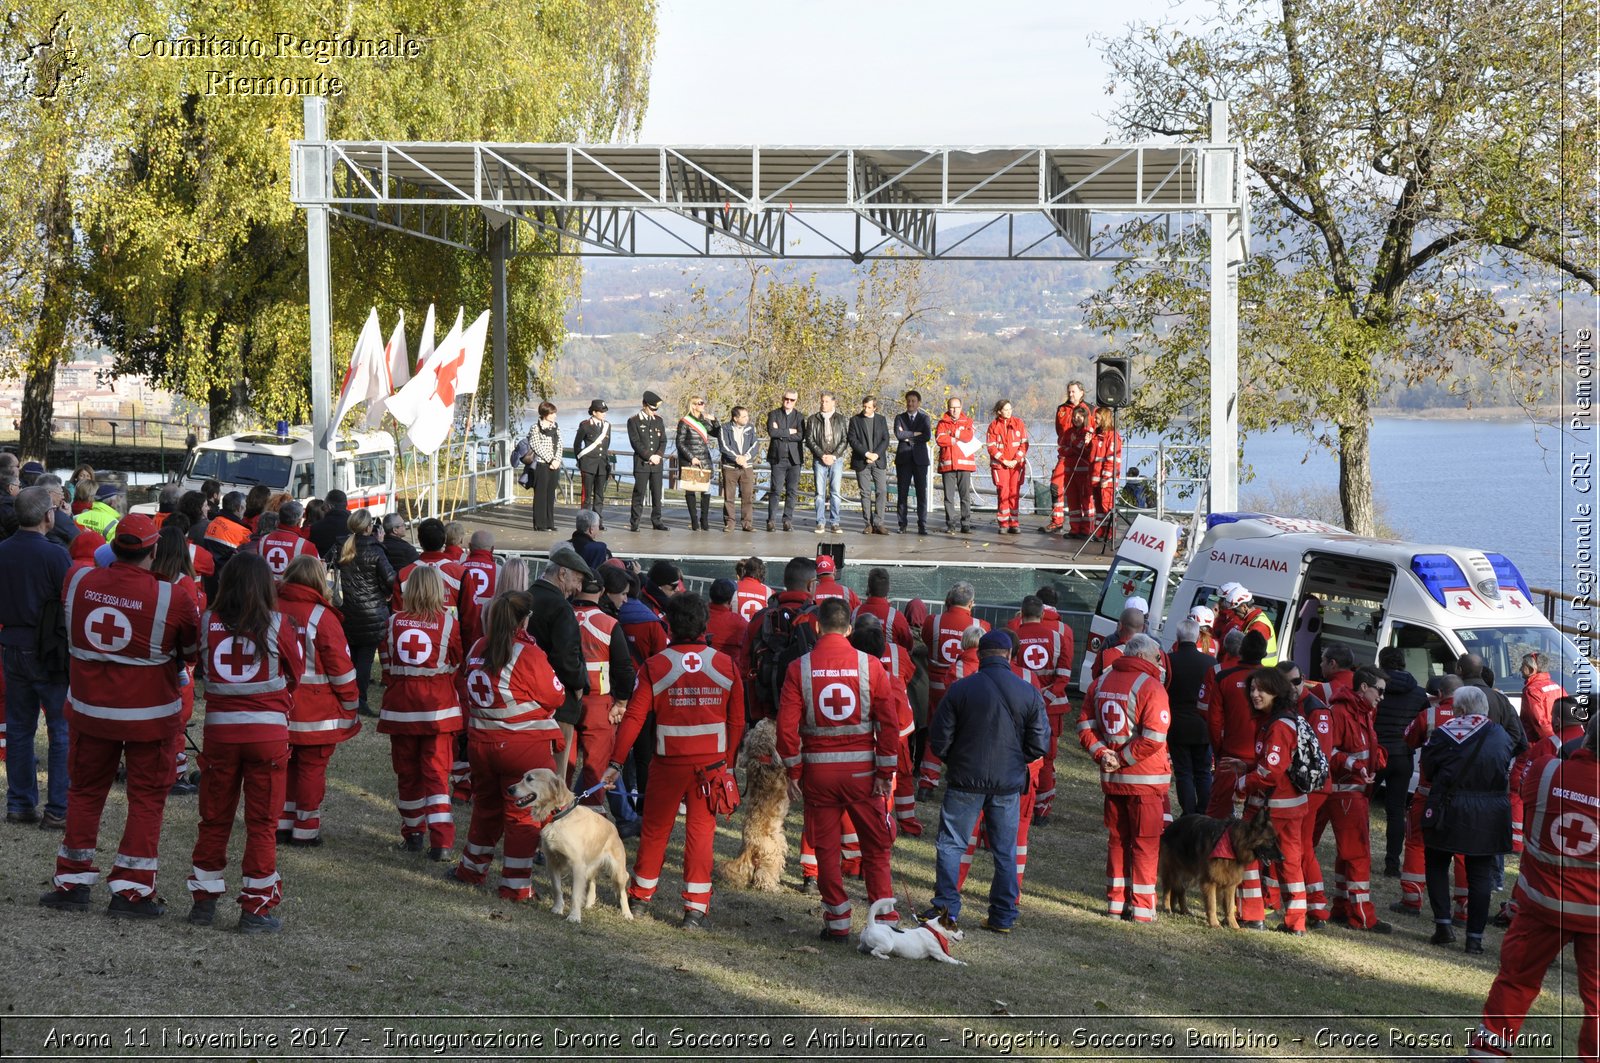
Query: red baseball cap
(136, 532)
(825, 566)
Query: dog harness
(1224, 848)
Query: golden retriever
(579, 842)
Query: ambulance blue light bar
(1439, 574)
(1508, 574)
(1214, 519)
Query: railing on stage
(461, 476)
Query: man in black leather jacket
(1402, 700)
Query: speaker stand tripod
(1107, 524)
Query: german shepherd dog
(1193, 852)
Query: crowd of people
(641, 691)
(1084, 480)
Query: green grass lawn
(373, 931)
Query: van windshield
(246, 467)
(1502, 649)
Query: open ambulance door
(1142, 569)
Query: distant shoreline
(1547, 413)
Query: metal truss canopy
(766, 200)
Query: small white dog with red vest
(926, 941)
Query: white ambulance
(363, 465)
(1322, 585)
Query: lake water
(1494, 485)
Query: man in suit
(647, 433)
(786, 429)
(912, 432)
(869, 458)
(591, 447)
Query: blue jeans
(1191, 770)
(28, 689)
(957, 817)
(830, 489)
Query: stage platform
(1002, 568)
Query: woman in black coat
(1467, 761)
(366, 579)
(544, 457)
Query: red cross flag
(364, 380)
(394, 369)
(427, 405)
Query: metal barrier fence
(459, 477)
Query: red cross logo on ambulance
(414, 646)
(481, 689)
(277, 559)
(692, 662)
(837, 702)
(1035, 657)
(235, 660)
(108, 629)
(1575, 834)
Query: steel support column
(314, 175)
(499, 252)
(1219, 183)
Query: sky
(886, 72)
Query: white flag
(424, 345)
(363, 381)
(395, 371)
(427, 404)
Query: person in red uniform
(1557, 899)
(171, 563)
(727, 630)
(479, 581)
(752, 594)
(793, 605)
(828, 585)
(1044, 649)
(1338, 669)
(839, 739)
(1206, 617)
(958, 444)
(285, 543)
(609, 662)
(421, 713)
(324, 712)
(1067, 477)
(1539, 693)
(868, 634)
(698, 701)
(511, 694)
(1233, 726)
(877, 604)
(943, 633)
(1123, 726)
(1413, 866)
(251, 657)
(430, 536)
(1105, 473)
(1353, 766)
(1318, 713)
(1008, 453)
(1264, 782)
(1132, 622)
(130, 634)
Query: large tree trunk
(1355, 471)
(229, 408)
(50, 331)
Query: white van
(1321, 585)
(363, 465)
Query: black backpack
(780, 640)
(1308, 767)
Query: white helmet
(1203, 615)
(1138, 603)
(1238, 596)
(1227, 589)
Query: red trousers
(905, 794)
(422, 766)
(257, 770)
(1311, 829)
(498, 760)
(1080, 502)
(1134, 823)
(1220, 806)
(305, 785)
(830, 793)
(1352, 869)
(92, 766)
(1414, 866)
(460, 770)
(1058, 489)
(849, 841)
(1102, 500)
(1528, 950)
(1008, 486)
(595, 735)
(672, 783)
(1290, 874)
(1044, 799)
